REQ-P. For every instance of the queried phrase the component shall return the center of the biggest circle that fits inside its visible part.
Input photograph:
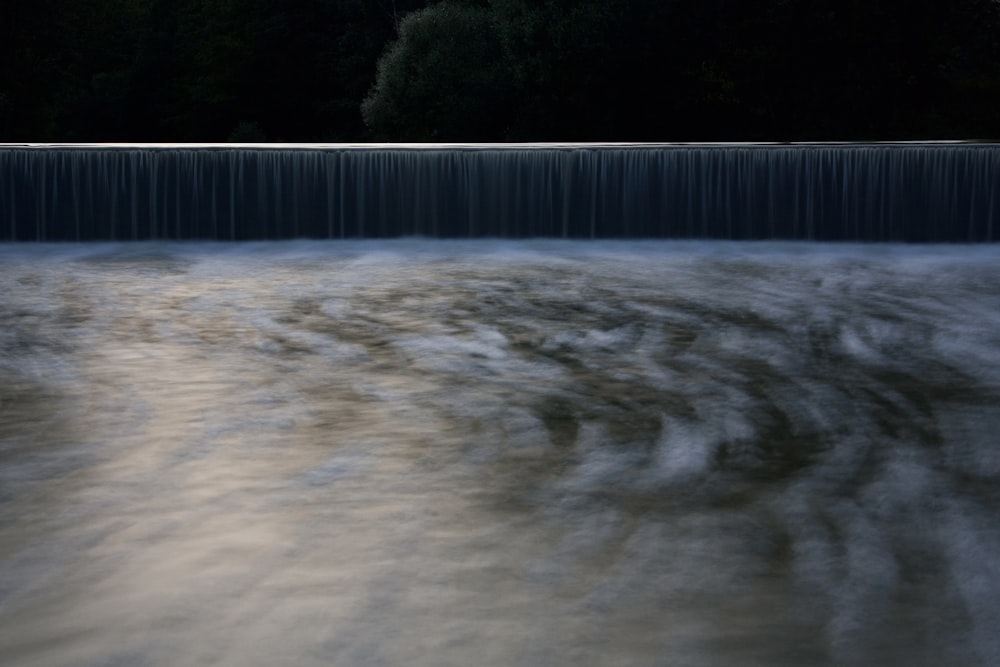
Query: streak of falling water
(536, 453)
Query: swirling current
(499, 453)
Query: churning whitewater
(499, 453)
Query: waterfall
(870, 192)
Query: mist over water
(499, 453)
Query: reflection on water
(456, 453)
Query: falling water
(544, 451)
(874, 192)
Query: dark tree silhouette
(437, 70)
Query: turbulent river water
(439, 453)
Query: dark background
(498, 70)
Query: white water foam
(498, 452)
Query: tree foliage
(442, 79)
(735, 69)
(439, 70)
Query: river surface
(441, 453)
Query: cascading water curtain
(878, 192)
